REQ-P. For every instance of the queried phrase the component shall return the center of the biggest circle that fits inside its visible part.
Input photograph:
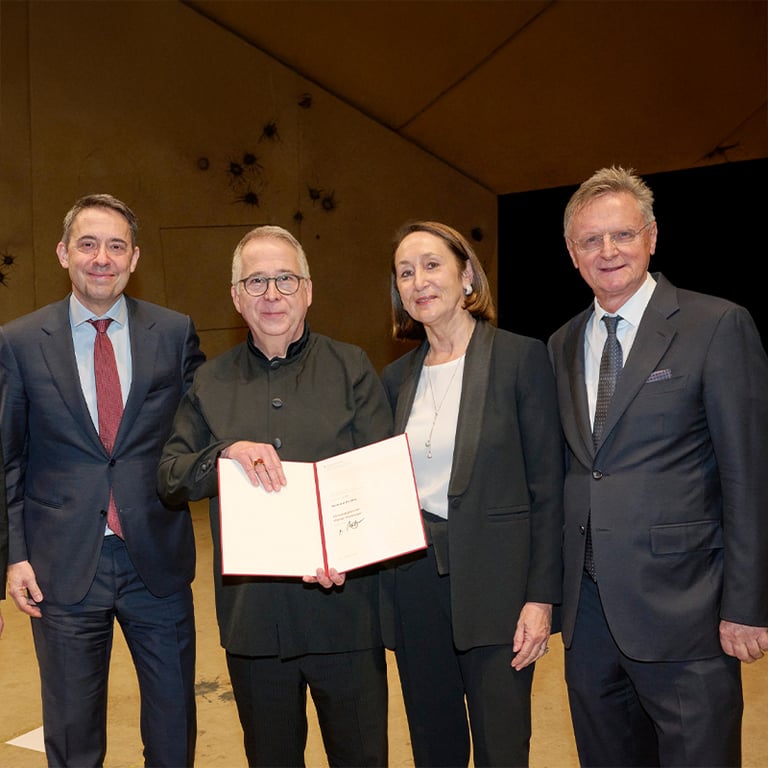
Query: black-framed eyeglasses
(620, 237)
(258, 285)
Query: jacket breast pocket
(686, 537)
(508, 514)
(662, 386)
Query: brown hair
(479, 303)
(100, 201)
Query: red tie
(109, 400)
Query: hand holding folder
(345, 512)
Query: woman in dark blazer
(469, 617)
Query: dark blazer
(322, 399)
(505, 491)
(3, 526)
(57, 471)
(678, 486)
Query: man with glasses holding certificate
(664, 403)
(287, 394)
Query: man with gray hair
(287, 394)
(664, 403)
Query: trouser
(441, 684)
(349, 691)
(639, 713)
(74, 643)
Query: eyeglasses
(258, 285)
(621, 237)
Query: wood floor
(219, 742)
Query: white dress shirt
(631, 312)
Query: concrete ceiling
(528, 94)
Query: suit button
(204, 466)
(277, 402)
(112, 462)
(278, 443)
(103, 512)
(274, 364)
(597, 474)
(582, 530)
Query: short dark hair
(100, 201)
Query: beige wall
(127, 97)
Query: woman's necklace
(435, 407)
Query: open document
(344, 512)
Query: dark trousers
(636, 713)
(349, 691)
(74, 644)
(440, 683)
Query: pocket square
(664, 373)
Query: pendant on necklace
(428, 441)
(435, 406)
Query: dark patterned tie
(610, 368)
(109, 401)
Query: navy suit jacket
(58, 474)
(3, 526)
(678, 485)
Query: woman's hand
(532, 634)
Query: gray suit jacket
(678, 486)
(58, 474)
(505, 491)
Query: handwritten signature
(351, 525)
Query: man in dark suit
(3, 534)
(665, 537)
(90, 541)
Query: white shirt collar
(81, 314)
(633, 309)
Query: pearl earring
(467, 290)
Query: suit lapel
(144, 344)
(58, 351)
(474, 391)
(654, 335)
(576, 425)
(407, 392)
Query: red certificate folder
(345, 512)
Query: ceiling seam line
(477, 66)
(292, 68)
